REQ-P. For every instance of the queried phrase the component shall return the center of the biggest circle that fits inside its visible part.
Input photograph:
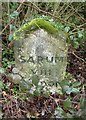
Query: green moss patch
(35, 24)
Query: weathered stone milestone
(40, 52)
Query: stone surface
(16, 78)
(40, 55)
(15, 70)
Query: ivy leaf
(76, 84)
(72, 90)
(82, 101)
(59, 112)
(12, 27)
(80, 34)
(2, 70)
(76, 44)
(67, 29)
(14, 14)
(10, 37)
(71, 37)
(66, 88)
(1, 85)
(67, 103)
(69, 90)
(75, 90)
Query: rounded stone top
(38, 23)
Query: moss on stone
(35, 24)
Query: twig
(50, 14)
(74, 102)
(12, 19)
(78, 13)
(78, 57)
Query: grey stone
(15, 70)
(41, 56)
(15, 78)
